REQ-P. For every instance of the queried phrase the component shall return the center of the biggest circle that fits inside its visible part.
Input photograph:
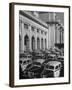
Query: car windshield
(45, 61)
(49, 67)
(33, 64)
(36, 64)
(24, 62)
(29, 66)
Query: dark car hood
(34, 69)
(47, 71)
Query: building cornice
(33, 19)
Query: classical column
(20, 31)
(52, 36)
(55, 34)
(30, 38)
(49, 37)
(22, 37)
(39, 38)
(35, 38)
(40, 42)
(43, 43)
(47, 40)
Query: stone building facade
(33, 33)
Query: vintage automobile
(41, 61)
(36, 54)
(52, 56)
(23, 63)
(25, 55)
(25, 60)
(51, 69)
(39, 54)
(33, 70)
(61, 59)
(46, 61)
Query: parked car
(39, 54)
(25, 55)
(51, 69)
(61, 59)
(52, 56)
(24, 61)
(41, 61)
(33, 70)
(46, 61)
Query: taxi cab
(24, 61)
(51, 69)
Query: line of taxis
(41, 64)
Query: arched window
(33, 43)
(26, 42)
(45, 44)
(42, 43)
(38, 43)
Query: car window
(59, 58)
(37, 64)
(24, 62)
(28, 56)
(25, 56)
(59, 65)
(29, 66)
(28, 61)
(56, 67)
(49, 67)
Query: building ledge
(24, 13)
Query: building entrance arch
(38, 43)
(33, 43)
(26, 42)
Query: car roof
(40, 60)
(53, 63)
(60, 56)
